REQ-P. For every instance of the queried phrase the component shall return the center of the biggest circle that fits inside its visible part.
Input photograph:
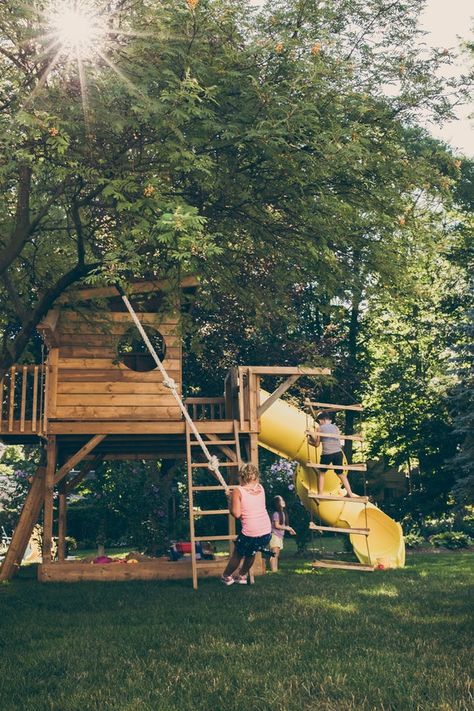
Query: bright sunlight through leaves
(78, 28)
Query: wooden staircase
(219, 442)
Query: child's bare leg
(274, 560)
(321, 482)
(247, 564)
(347, 486)
(233, 564)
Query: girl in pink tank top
(247, 502)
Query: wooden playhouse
(99, 396)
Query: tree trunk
(160, 485)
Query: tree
(124, 502)
(462, 395)
(17, 465)
(203, 138)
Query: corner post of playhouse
(62, 522)
(51, 453)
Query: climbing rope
(213, 461)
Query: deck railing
(22, 399)
(206, 408)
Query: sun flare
(78, 28)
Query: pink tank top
(255, 519)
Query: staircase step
(205, 465)
(341, 565)
(337, 467)
(334, 529)
(341, 499)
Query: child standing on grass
(331, 450)
(280, 524)
(247, 502)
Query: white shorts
(275, 542)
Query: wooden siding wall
(86, 383)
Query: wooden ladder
(362, 500)
(229, 446)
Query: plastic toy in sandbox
(180, 549)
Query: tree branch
(24, 228)
(76, 218)
(13, 350)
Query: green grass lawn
(328, 640)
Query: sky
(447, 22)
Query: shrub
(451, 539)
(414, 540)
(467, 524)
(443, 524)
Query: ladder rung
(209, 512)
(353, 438)
(333, 406)
(213, 441)
(341, 565)
(205, 465)
(337, 467)
(342, 499)
(333, 529)
(214, 487)
(215, 538)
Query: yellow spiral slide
(282, 431)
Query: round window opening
(133, 352)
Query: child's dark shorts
(248, 546)
(335, 458)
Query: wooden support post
(24, 384)
(45, 386)
(234, 479)
(28, 518)
(254, 387)
(62, 518)
(1, 403)
(52, 391)
(191, 506)
(35, 399)
(51, 450)
(242, 390)
(78, 457)
(253, 448)
(11, 398)
(276, 394)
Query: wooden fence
(22, 399)
(206, 408)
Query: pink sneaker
(227, 579)
(241, 579)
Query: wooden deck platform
(156, 569)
